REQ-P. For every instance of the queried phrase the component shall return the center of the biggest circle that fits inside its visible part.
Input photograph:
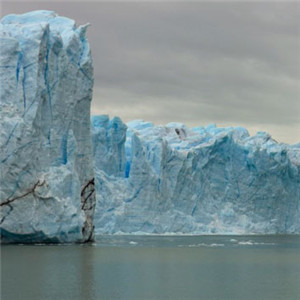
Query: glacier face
(47, 176)
(172, 179)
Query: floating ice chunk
(133, 243)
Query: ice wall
(195, 181)
(47, 177)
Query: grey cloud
(234, 63)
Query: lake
(155, 267)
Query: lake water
(153, 267)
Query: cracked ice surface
(47, 190)
(204, 180)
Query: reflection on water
(134, 267)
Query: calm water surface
(133, 267)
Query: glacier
(204, 180)
(47, 177)
(66, 176)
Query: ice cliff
(47, 177)
(172, 179)
(149, 179)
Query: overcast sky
(228, 63)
